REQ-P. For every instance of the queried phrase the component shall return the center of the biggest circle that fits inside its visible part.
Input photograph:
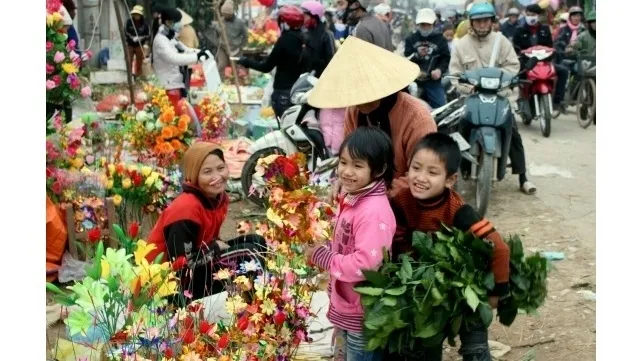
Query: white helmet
(513, 11)
(426, 16)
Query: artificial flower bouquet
(286, 172)
(63, 63)
(242, 73)
(215, 116)
(258, 39)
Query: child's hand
(308, 252)
(493, 301)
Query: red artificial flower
(168, 353)
(204, 327)
(132, 231)
(179, 263)
(57, 188)
(253, 358)
(94, 235)
(119, 337)
(223, 341)
(188, 322)
(290, 169)
(120, 168)
(50, 172)
(195, 307)
(280, 318)
(137, 180)
(252, 309)
(188, 337)
(243, 323)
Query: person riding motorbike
(569, 34)
(171, 59)
(367, 26)
(474, 51)
(561, 22)
(509, 27)
(463, 26)
(288, 55)
(318, 42)
(586, 42)
(428, 48)
(535, 33)
(369, 80)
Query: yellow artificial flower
(268, 307)
(104, 269)
(70, 68)
(149, 181)
(256, 318)
(223, 274)
(235, 304)
(132, 168)
(110, 183)
(269, 330)
(274, 218)
(85, 171)
(111, 168)
(146, 170)
(78, 163)
(143, 249)
(117, 200)
(127, 183)
(103, 160)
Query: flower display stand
(73, 236)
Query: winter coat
(140, 30)
(332, 126)
(168, 59)
(528, 36)
(438, 52)
(509, 30)
(586, 44)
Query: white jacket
(167, 59)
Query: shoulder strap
(494, 51)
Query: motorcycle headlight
(490, 83)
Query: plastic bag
(267, 93)
(72, 269)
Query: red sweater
(427, 216)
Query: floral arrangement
(62, 62)
(215, 116)
(156, 130)
(139, 189)
(242, 73)
(283, 172)
(258, 39)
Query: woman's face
(368, 107)
(575, 19)
(213, 176)
(137, 17)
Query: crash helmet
(575, 10)
(292, 16)
(482, 10)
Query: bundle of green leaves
(422, 299)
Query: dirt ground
(560, 217)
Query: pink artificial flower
(300, 335)
(302, 313)
(50, 46)
(286, 296)
(90, 159)
(71, 45)
(73, 81)
(87, 55)
(77, 62)
(73, 55)
(53, 6)
(57, 187)
(50, 68)
(291, 278)
(76, 135)
(71, 151)
(59, 57)
(56, 79)
(51, 84)
(85, 92)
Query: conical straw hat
(186, 19)
(360, 73)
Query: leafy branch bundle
(418, 302)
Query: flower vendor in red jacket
(187, 231)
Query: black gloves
(202, 53)
(465, 218)
(243, 61)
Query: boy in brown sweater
(429, 202)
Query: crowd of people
(396, 173)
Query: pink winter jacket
(364, 230)
(332, 125)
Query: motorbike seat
(317, 138)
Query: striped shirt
(428, 215)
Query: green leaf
(519, 282)
(396, 291)
(53, 288)
(64, 300)
(486, 313)
(373, 344)
(389, 301)
(406, 272)
(368, 300)
(472, 298)
(159, 258)
(429, 330)
(376, 278)
(119, 233)
(489, 281)
(370, 291)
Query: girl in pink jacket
(363, 232)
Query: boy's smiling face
(428, 175)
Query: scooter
(299, 131)
(487, 125)
(536, 96)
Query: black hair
(534, 8)
(170, 14)
(218, 153)
(448, 26)
(373, 146)
(445, 147)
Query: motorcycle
(487, 126)
(298, 131)
(536, 96)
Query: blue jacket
(73, 35)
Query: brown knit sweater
(427, 216)
(410, 120)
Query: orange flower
(175, 131)
(184, 120)
(167, 132)
(159, 139)
(167, 116)
(176, 144)
(164, 148)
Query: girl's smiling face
(355, 174)
(213, 176)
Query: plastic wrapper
(72, 269)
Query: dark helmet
(170, 14)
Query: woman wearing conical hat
(370, 81)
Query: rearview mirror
(531, 63)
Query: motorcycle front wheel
(254, 191)
(545, 116)
(586, 103)
(483, 182)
